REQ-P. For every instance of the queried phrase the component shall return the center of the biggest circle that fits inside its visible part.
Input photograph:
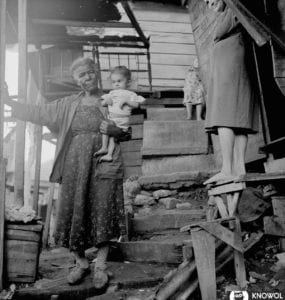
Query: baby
(120, 103)
(193, 92)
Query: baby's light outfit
(121, 116)
(193, 88)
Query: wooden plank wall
(172, 45)
(278, 55)
(131, 150)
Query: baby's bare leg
(199, 112)
(188, 110)
(104, 147)
(111, 147)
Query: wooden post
(2, 70)
(96, 57)
(22, 91)
(38, 133)
(149, 69)
(48, 215)
(2, 161)
(239, 261)
(204, 250)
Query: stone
(161, 194)
(182, 206)
(144, 211)
(146, 193)
(169, 203)
(142, 200)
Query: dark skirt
(90, 210)
(231, 100)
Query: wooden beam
(2, 70)
(38, 141)
(48, 215)
(204, 250)
(224, 234)
(56, 22)
(22, 91)
(135, 23)
(2, 202)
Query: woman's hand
(109, 128)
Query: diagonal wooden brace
(229, 237)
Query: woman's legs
(239, 154)
(80, 270)
(227, 141)
(81, 260)
(100, 278)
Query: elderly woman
(90, 211)
(231, 105)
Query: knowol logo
(239, 295)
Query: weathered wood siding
(172, 46)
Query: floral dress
(91, 207)
(193, 88)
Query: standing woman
(90, 211)
(232, 109)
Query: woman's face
(216, 5)
(86, 77)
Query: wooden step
(166, 114)
(166, 219)
(166, 249)
(174, 180)
(164, 138)
(185, 163)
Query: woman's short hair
(83, 61)
(123, 71)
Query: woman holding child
(91, 207)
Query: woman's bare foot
(101, 151)
(221, 176)
(106, 157)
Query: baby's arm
(106, 100)
(133, 101)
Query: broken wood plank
(274, 226)
(169, 287)
(239, 260)
(222, 207)
(204, 250)
(226, 188)
(231, 238)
